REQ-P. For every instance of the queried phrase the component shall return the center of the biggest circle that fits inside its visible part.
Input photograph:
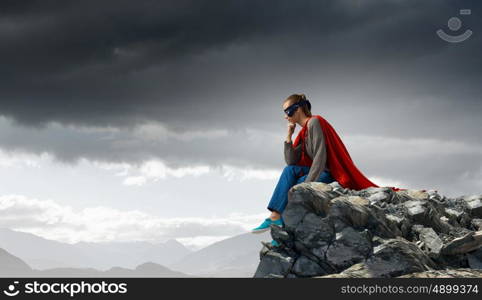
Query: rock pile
(335, 232)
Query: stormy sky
(173, 108)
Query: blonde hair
(295, 98)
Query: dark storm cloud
(121, 62)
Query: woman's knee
(289, 169)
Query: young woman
(306, 162)
(317, 154)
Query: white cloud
(136, 180)
(236, 173)
(48, 219)
(156, 169)
(198, 242)
(108, 166)
(380, 181)
(17, 159)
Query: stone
(359, 270)
(321, 186)
(305, 267)
(393, 258)
(266, 248)
(475, 259)
(314, 232)
(449, 273)
(467, 243)
(378, 197)
(453, 214)
(313, 200)
(281, 236)
(422, 212)
(358, 200)
(278, 233)
(395, 219)
(432, 244)
(292, 215)
(418, 194)
(355, 212)
(350, 209)
(397, 257)
(474, 205)
(274, 263)
(416, 209)
(350, 247)
(477, 223)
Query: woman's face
(295, 117)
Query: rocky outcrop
(335, 232)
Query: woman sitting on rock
(317, 155)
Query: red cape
(338, 159)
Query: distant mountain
(233, 257)
(41, 253)
(11, 265)
(148, 269)
(48, 254)
(130, 254)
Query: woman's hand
(291, 130)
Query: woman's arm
(316, 143)
(292, 155)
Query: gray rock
(467, 243)
(274, 263)
(350, 247)
(313, 199)
(378, 197)
(280, 235)
(293, 214)
(305, 267)
(416, 210)
(477, 223)
(474, 205)
(314, 231)
(475, 259)
(393, 258)
(423, 212)
(354, 211)
(374, 232)
(449, 273)
(453, 215)
(398, 257)
(432, 244)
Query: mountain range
(27, 254)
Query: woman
(306, 162)
(317, 154)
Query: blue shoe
(265, 225)
(274, 243)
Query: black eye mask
(290, 110)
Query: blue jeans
(291, 176)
